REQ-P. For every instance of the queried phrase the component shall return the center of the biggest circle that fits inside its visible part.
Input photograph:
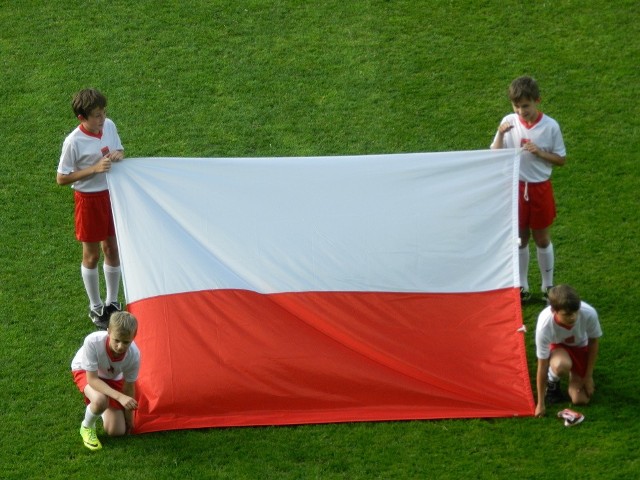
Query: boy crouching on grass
(567, 336)
(105, 370)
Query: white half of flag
(438, 222)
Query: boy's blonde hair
(123, 322)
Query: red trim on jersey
(530, 126)
(91, 134)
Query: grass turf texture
(267, 78)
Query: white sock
(552, 377)
(89, 418)
(546, 264)
(91, 285)
(523, 261)
(112, 279)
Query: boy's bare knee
(542, 243)
(111, 255)
(90, 254)
(585, 399)
(560, 367)
(114, 430)
(90, 261)
(100, 405)
(110, 251)
(579, 398)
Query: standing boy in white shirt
(87, 153)
(540, 137)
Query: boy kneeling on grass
(105, 370)
(567, 336)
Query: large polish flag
(275, 291)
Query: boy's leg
(543, 214)
(559, 365)
(90, 417)
(113, 422)
(89, 270)
(524, 233)
(97, 405)
(523, 259)
(111, 269)
(98, 402)
(576, 390)
(545, 254)
(546, 264)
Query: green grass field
(286, 77)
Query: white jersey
(95, 355)
(549, 331)
(545, 133)
(82, 149)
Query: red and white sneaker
(571, 417)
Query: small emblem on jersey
(569, 340)
(104, 151)
(524, 140)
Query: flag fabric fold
(323, 289)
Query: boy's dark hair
(85, 101)
(523, 88)
(564, 297)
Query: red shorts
(80, 379)
(579, 356)
(536, 205)
(94, 220)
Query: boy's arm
(129, 389)
(592, 356)
(127, 401)
(498, 142)
(103, 165)
(541, 385)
